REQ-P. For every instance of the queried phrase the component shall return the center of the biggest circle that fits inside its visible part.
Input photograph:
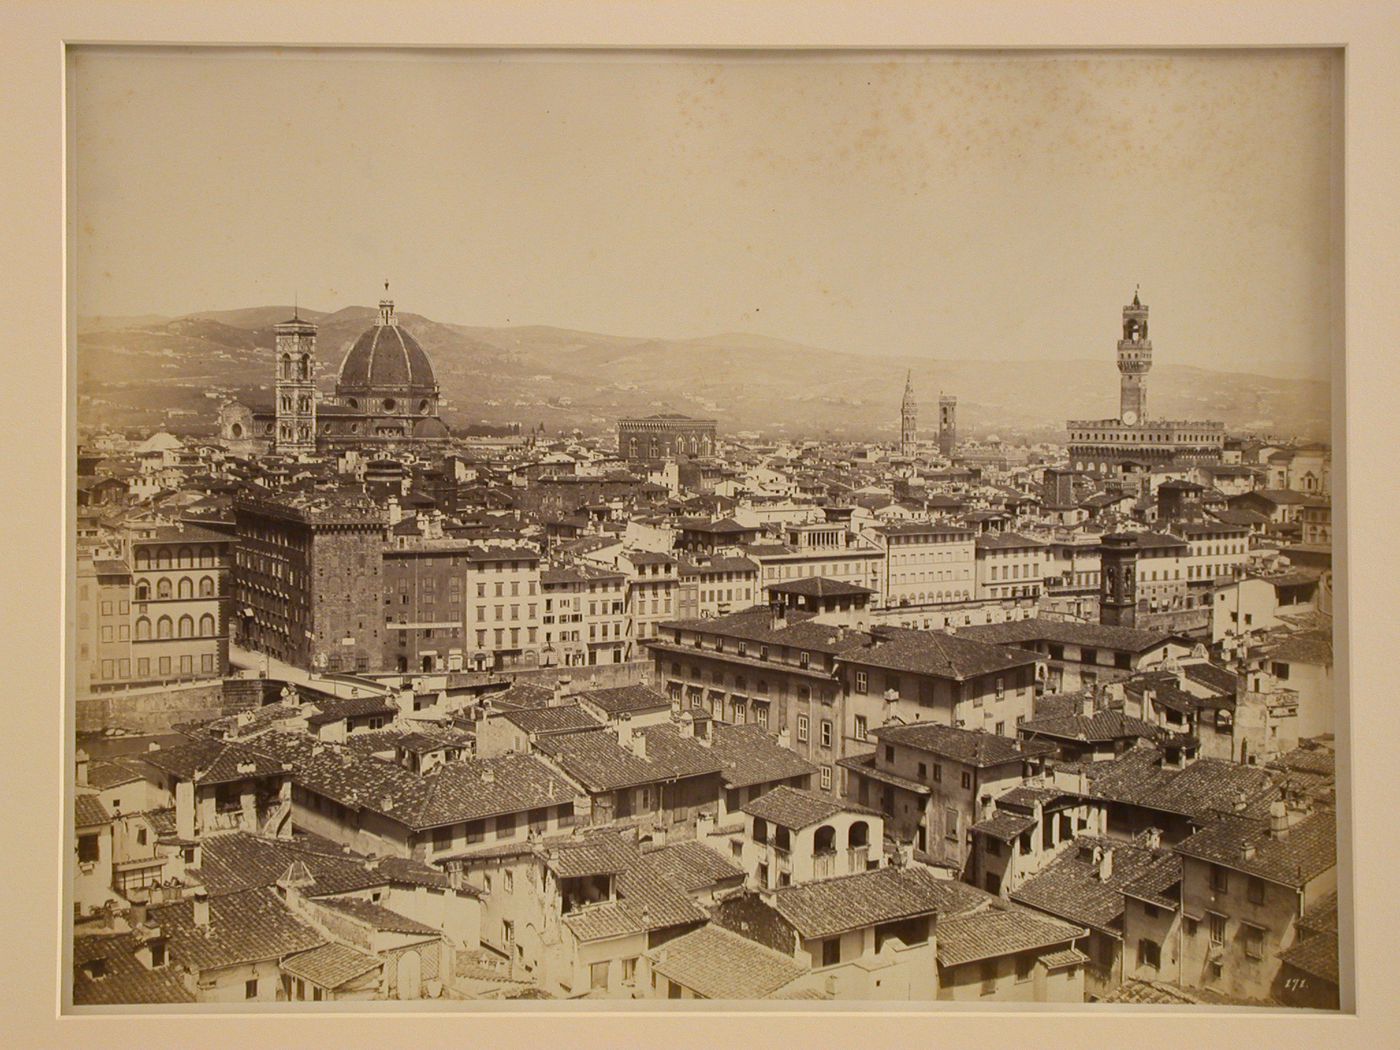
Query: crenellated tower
(1134, 362)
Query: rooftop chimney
(199, 898)
(1106, 865)
(488, 775)
(563, 687)
(1278, 819)
(1086, 705)
(687, 725)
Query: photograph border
(1362, 426)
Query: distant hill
(131, 370)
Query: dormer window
(96, 969)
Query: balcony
(858, 858)
(824, 865)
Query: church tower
(296, 388)
(908, 418)
(947, 424)
(1118, 580)
(1134, 361)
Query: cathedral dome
(386, 364)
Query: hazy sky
(965, 206)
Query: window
(862, 683)
(967, 781)
(629, 970)
(802, 728)
(826, 778)
(598, 975)
(87, 849)
(831, 951)
(989, 976)
(861, 727)
(486, 881)
(1219, 879)
(950, 824)
(937, 773)
(1149, 954)
(1217, 928)
(250, 989)
(1025, 966)
(826, 732)
(1253, 941)
(889, 753)
(923, 770)
(507, 931)
(803, 660)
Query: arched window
(187, 626)
(825, 839)
(162, 588)
(165, 627)
(185, 588)
(859, 835)
(186, 558)
(143, 558)
(760, 829)
(206, 557)
(163, 558)
(206, 587)
(206, 626)
(143, 591)
(143, 629)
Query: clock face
(1130, 417)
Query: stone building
(1099, 445)
(666, 435)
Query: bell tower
(1118, 580)
(295, 433)
(1134, 362)
(947, 425)
(908, 418)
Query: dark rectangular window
(1219, 879)
(87, 849)
(250, 989)
(831, 951)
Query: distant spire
(296, 316)
(1136, 301)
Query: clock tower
(1134, 361)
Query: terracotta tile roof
(627, 698)
(1315, 955)
(865, 766)
(691, 865)
(1202, 791)
(1319, 761)
(564, 718)
(971, 747)
(602, 854)
(936, 653)
(89, 812)
(1309, 849)
(248, 926)
(522, 694)
(1000, 931)
(851, 902)
(240, 861)
(819, 587)
(1066, 632)
(646, 900)
(1159, 884)
(106, 972)
(1100, 727)
(716, 963)
(1212, 676)
(404, 871)
(748, 756)
(755, 624)
(213, 761)
(1160, 993)
(1061, 959)
(376, 916)
(1321, 916)
(600, 763)
(331, 965)
(104, 773)
(1070, 886)
(796, 809)
(1004, 826)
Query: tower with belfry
(908, 418)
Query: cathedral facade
(385, 395)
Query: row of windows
(184, 588)
(180, 558)
(120, 670)
(165, 627)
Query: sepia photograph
(775, 526)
